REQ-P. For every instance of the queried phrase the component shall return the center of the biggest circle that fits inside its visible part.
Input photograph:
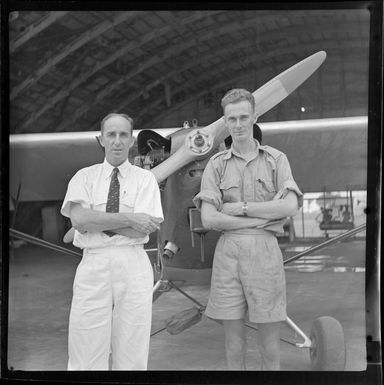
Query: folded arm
(85, 219)
(129, 232)
(277, 208)
(216, 220)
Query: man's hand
(144, 223)
(234, 208)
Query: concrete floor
(327, 284)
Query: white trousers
(111, 310)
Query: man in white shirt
(113, 206)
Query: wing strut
(327, 243)
(37, 241)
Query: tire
(328, 350)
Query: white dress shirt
(139, 193)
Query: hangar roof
(68, 69)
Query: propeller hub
(199, 142)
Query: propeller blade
(200, 142)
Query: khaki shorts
(247, 274)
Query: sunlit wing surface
(324, 154)
(43, 164)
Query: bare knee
(270, 345)
(235, 353)
(270, 351)
(235, 344)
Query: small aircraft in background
(325, 154)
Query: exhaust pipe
(170, 249)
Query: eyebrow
(241, 116)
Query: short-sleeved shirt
(229, 177)
(139, 193)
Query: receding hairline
(115, 114)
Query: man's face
(117, 139)
(239, 119)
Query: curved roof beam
(157, 103)
(154, 34)
(110, 88)
(192, 98)
(36, 28)
(195, 96)
(72, 47)
(208, 75)
(281, 51)
(155, 60)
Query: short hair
(125, 116)
(237, 95)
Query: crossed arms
(284, 204)
(136, 225)
(230, 218)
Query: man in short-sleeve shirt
(113, 206)
(247, 191)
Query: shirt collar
(232, 152)
(108, 168)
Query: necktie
(113, 197)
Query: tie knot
(115, 171)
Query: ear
(132, 141)
(255, 117)
(100, 140)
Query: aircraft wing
(326, 154)
(43, 164)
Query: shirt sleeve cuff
(208, 197)
(65, 207)
(290, 185)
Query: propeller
(199, 142)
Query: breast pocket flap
(228, 184)
(99, 199)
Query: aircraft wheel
(328, 350)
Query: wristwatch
(245, 209)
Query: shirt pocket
(230, 191)
(99, 201)
(264, 190)
(127, 201)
